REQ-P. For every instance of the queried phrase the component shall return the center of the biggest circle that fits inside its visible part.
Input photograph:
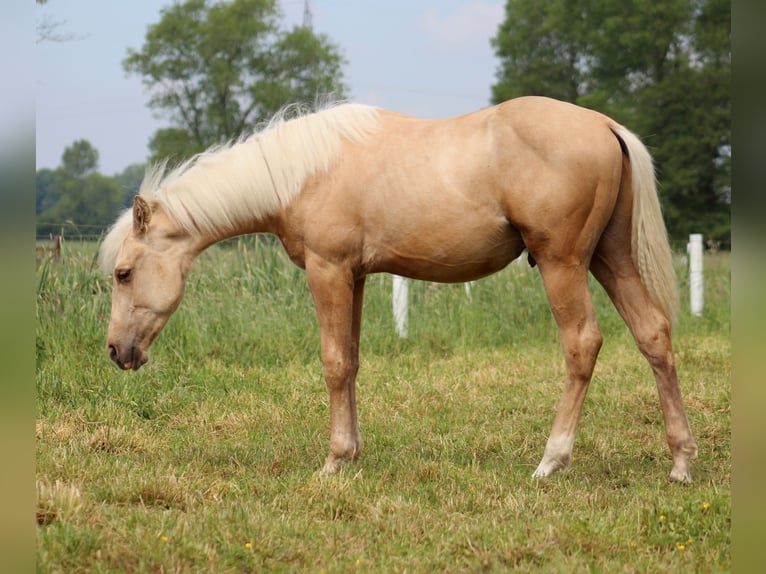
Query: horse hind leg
(570, 300)
(613, 268)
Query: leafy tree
(92, 200)
(542, 50)
(174, 142)
(217, 69)
(304, 67)
(46, 190)
(75, 193)
(78, 160)
(660, 67)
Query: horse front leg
(338, 301)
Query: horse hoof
(332, 465)
(678, 475)
(544, 470)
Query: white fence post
(694, 248)
(468, 286)
(401, 304)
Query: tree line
(661, 67)
(75, 199)
(214, 70)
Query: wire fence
(69, 230)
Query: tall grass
(205, 459)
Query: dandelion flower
(680, 546)
(164, 538)
(705, 506)
(662, 517)
(248, 544)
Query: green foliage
(77, 198)
(206, 459)
(130, 180)
(541, 49)
(79, 160)
(661, 68)
(173, 143)
(94, 199)
(215, 69)
(46, 190)
(305, 67)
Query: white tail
(649, 241)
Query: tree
(216, 69)
(75, 193)
(48, 30)
(93, 201)
(78, 160)
(46, 190)
(542, 50)
(660, 67)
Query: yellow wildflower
(248, 544)
(680, 546)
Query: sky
(426, 58)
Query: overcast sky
(425, 58)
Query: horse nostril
(113, 352)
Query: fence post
(694, 248)
(401, 303)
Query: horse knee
(593, 339)
(582, 351)
(655, 343)
(339, 370)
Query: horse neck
(203, 240)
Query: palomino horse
(353, 190)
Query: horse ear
(142, 214)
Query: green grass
(206, 459)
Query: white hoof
(558, 453)
(331, 466)
(547, 468)
(680, 475)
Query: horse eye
(122, 275)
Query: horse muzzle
(128, 358)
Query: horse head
(149, 280)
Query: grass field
(206, 460)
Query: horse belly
(451, 253)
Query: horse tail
(649, 246)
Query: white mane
(229, 185)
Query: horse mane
(227, 185)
